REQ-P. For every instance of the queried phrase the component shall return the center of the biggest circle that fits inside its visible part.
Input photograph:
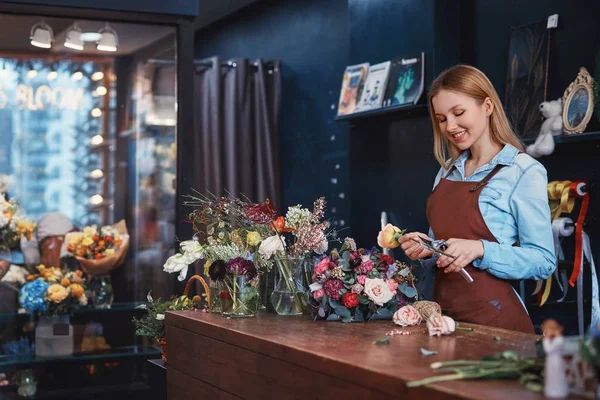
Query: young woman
(489, 203)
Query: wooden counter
(272, 357)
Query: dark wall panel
(311, 40)
(172, 7)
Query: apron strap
(487, 178)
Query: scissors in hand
(438, 247)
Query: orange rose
(98, 256)
(79, 273)
(65, 282)
(30, 278)
(76, 290)
(388, 237)
(81, 252)
(96, 238)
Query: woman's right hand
(411, 248)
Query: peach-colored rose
(378, 291)
(392, 284)
(440, 325)
(388, 237)
(57, 293)
(407, 316)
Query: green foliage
(152, 324)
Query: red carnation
(385, 258)
(350, 300)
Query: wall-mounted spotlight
(73, 38)
(109, 40)
(41, 35)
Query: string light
(96, 199)
(77, 76)
(96, 76)
(96, 112)
(97, 140)
(52, 75)
(96, 174)
(101, 91)
(32, 73)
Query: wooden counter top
(270, 356)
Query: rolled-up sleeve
(534, 257)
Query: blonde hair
(470, 81)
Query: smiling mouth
(459, 135)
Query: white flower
(177, 263)
(296, 216)
(3, 221)
(83, 300)
(160, 317)
(192, 250)
(271, 245)
(323, 244)
(90, 230)
(315, 286)
(378, 291)
(407, 316)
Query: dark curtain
(236, 135)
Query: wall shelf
(407, 110)
(578, 137)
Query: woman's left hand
(464, 251)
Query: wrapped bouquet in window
(13, 225)
(99, 250)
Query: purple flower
(241, 266)
(332, 288)
(357, 288)
(391, 270)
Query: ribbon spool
(579, 189)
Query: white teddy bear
(552, 126)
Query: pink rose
(317, 294)
(361, 279)
(407, 316)
(440, 325)
(378, 291)
(393, 285)
(322, 266)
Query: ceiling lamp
(41, 35)
(73, 39)
(109, 40)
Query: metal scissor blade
(423, 243)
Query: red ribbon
(576, 190)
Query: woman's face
(463, 120)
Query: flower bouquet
(53, 292)
(99, 250)
(359, 285)
(13, 225)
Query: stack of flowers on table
(229, 229)
(13, 225)
(354, 284)
(99, 249)
(53, 292)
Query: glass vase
(289, 294)
(101, 291)
(27, 384)
(239, 297)
(216, 287)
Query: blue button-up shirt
(514, 205)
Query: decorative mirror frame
(584, 80)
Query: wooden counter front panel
(249, 375)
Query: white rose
(378, 291)
(438, 324)
(177, 263)
(271, 245)
(160, 317)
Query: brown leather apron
(453, 212)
